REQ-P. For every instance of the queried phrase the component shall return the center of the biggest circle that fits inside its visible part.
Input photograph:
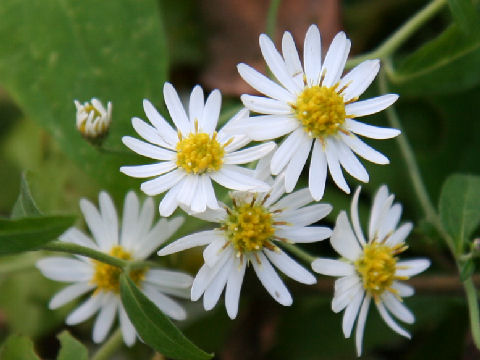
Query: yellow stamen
(199, 153)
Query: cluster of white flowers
(313, 107)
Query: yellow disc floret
(199, 153)
(377, 267)
(249, 227)
(106, 277)
(321, 110)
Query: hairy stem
(298, 252)
(109, 347)
(389, 46)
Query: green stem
(472, 301)
(298, 252)
(85, 251)
(109, 347)
(397, 39)
(272, 18)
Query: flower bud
(93, 121)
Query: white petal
(397, 308)
(264, 105)
(332, 267)
(149, 133)
(73, 235)
(305, 234)
(196, 104)
(234, 285)
(94, 221)
(318, 171)
(390, 221)
(149, 170)
(249, 154)
(69, 293)
(389, 320)
(188, 190)
(312, 55)
(411, 267)
(215, 288)
(403, 290)
(164, 128)
(381, 204)
(128, 331)
(209, 193)
(165, 304)
(148, 150)
(199, 200)
(354, 216)
(175, 108)
(294, 200)
(277, 190)
(334, 166)
(65, 269)
(362, 318)
(306, 215)
(198, 239)
(335, 59)
(296, 164)
(399, 235)
(341, 299)
(85, 310)
(263, 84)
(211, 111)
(369, 131)
(213, 251)
(370, 106)
(270, 280)
(292, 60)
(359, 79)
(265, 127)
(104, 321)
(351, 313)
(231, 177)
(345, 283)
(350, 162)
(286, 150)
(343, 239)
(276, 64)
(110, 219)
(169, 278)
(169, 202)
(362, 149)
(130, 230)
(163, 182)
(290, 267)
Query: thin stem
(397, 39)
(472, 301)
(109, 347)
(82, 250)
(295, 250)
(272, 18)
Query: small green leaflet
(25, 205)
(71, 348)
(18, 347)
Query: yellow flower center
(321, 110)
(249, 227)
(107, 277)
(377, 267)
(199, 153)
(89, 108)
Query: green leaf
(18, 348)
(446, 64)
(71, 348)
(112, 50)
(24, 234)
(154, 327)
(465, 15)
(460, 207)
(25, 205)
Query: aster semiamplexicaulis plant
(315, 105)
(134, 239)
(371, 269)
(249, 232)
(194, 154)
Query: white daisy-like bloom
(134, 239)
(315, 105)
(248, 233)
(194, 154)
(93, 120)
(371, 269)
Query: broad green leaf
(112, 50)
(460, 206)
(447, 64)
(25, 205)
(154, 327)
(18, 348)
(465, 14)
(71, 348)
(29, 233)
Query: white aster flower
(315, 104)
(194, 154)
(93, 120)
(371, 269)
(135, 239)
(248, 233)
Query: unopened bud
(476, 245)
(93, 121)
